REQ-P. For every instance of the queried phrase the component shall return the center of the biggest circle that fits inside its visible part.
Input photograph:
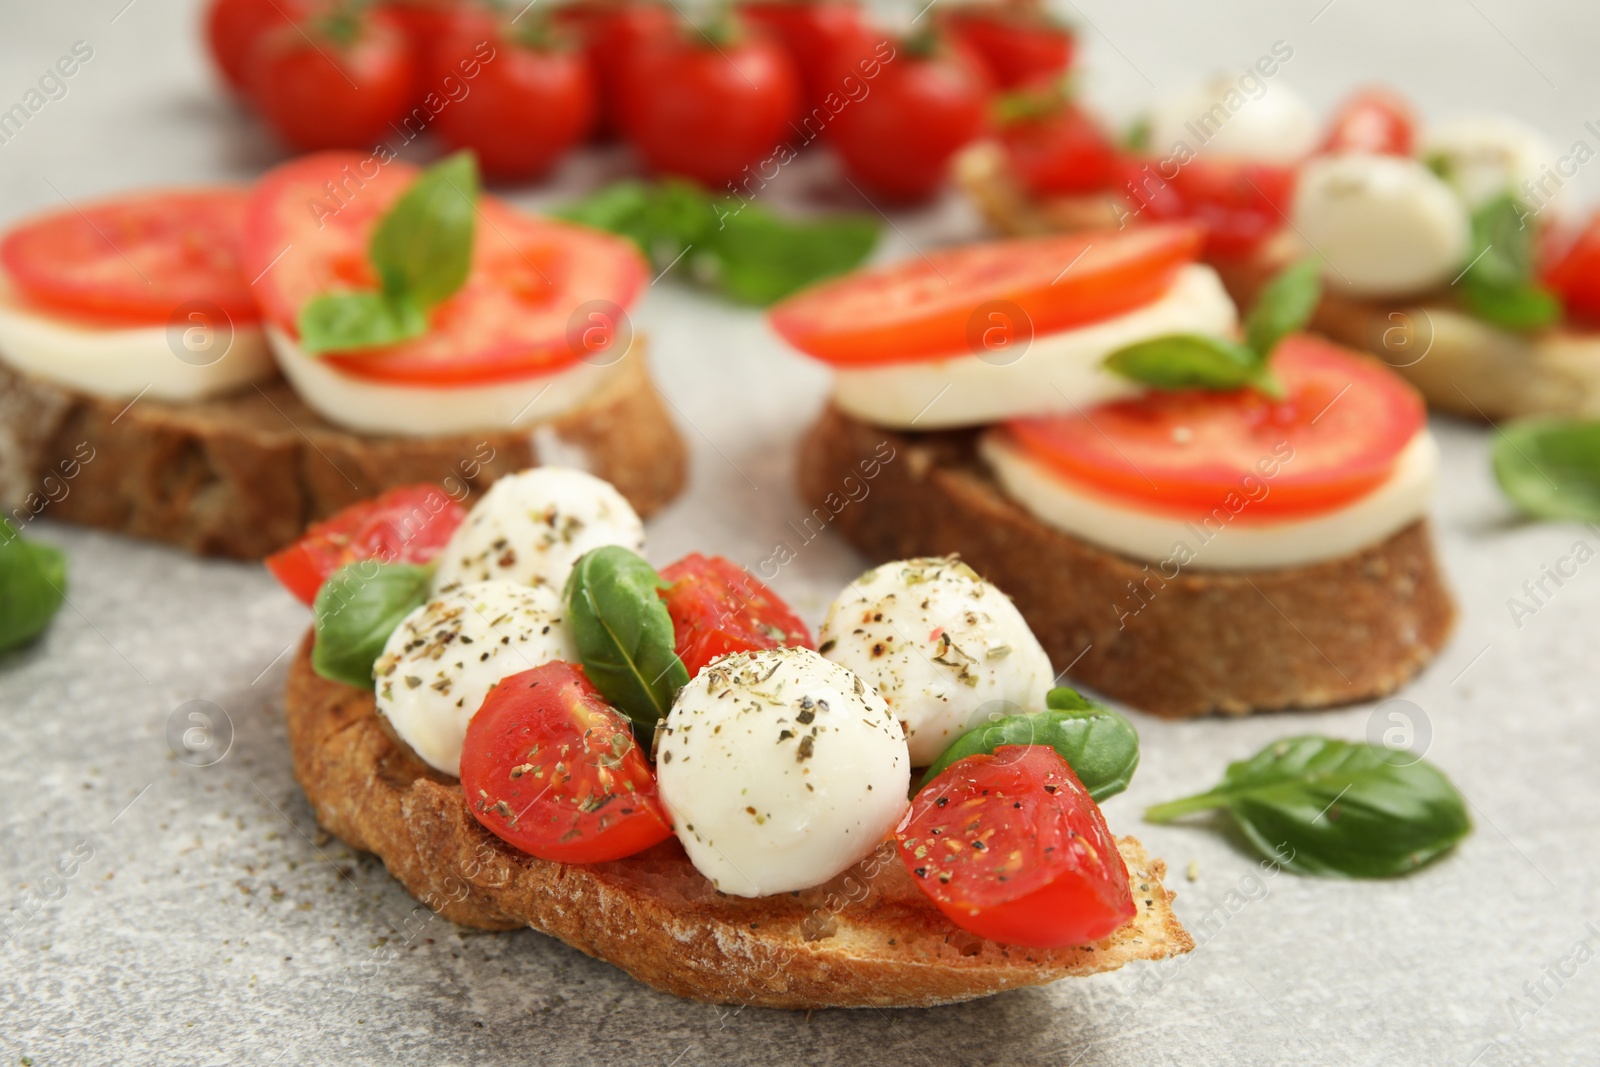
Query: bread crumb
(1193, 873)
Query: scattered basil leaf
(1101, 746)
(1499, 284)
(1191, 361)
(336, 322)
(624, 635)
(1550, 468)
(33, 581)
(1284, 306)
(1336, 808)
(357, 609)
(1137, 139)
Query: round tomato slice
(136, 259)
(408, 524)
(1011, 848)
(717, 607)
(1333, 438)
(921, 309)
(306, 233)
(552, 769)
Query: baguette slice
(868, 938)
(244, 474)
(1233, 642)
(1459, 363)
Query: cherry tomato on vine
(816, 34)
(611, 31)
(1020, 43)
(233, 27)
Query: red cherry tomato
(233, 27)
(1239, 204)
(612, 31)
(1574, 272)
(1375, 121)
(307, 227)
(1060, 152)
(134, 260)
(528, 104)
(552, 769)
(1333, 439)
(707, 111)
(1011, 848)
(333, 81)
(817, 34)
(1019, 44)
(928, 100)
(922, 308)
(408, 524)
(717, 607)
(427, 23)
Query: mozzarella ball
(1484, 156)
(1386, 226)
(780, 770)
(443, 659)
(1225, 118)
(942, 646)
(531, 527)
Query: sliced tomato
(717, 607)
(1333, 438)
(1237, 203)
(1377, 121)
(135, 259)
(1011, 848)
(920, 309)
(306, 233)
(552, 769)
(408, 524)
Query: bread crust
(1232, 642)
(868, 938)
(244, 474)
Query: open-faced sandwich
(531, 726)
(1443, 248)
(423, 333)
(1191, 519)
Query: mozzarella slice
(1056, 372)
(1483, 156)
(1228, 538)
(443, 659)
(429, 411)
(130, 361)
(1386, 226)
(780, 770)
(532, 526)
(946, 649)
(1220, 118)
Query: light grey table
(206, 920)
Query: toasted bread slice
(242, 475)
(1206, 641)
(868, 938)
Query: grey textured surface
(206, 920)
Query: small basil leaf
(1065, 698)
(1499, 284)
(422, 248)
(1336, 808)
(624, 634)
(1187, 361)
(1284, 306)
(357, 609)
(33, 581)
(337, 322)
(1550, 468)
(1519, 306)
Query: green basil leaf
(1336, 808)
(624, 634)
(357, 609)
(1521, 306)
(33, 582)
(338, 322)
(1064, 698)
(1550, 468)
(1499, 284)
(761, 258)
(664, 220)
(1191, 361)
(422, 248)
(1101, 746)
(1284, 306)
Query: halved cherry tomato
(1238, 203)
(816, 34)
(1376, 121)
(1060, 151)
(718, 607)
(552, 769)
(233, 27)
(1019, 43)
(1332, 439)
(1011, 848)
(1573, 271)
(510, 320)
(612, 30)
(135, 259)
(919, 309)
(407, 524)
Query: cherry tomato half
(1376, 121)
(1238, 203)
(717, 607)
(1060, 151)
(1574, 272)
(407, 524)
(1011, 848)
(552, 769)
(1019, 43)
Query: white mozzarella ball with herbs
(1235, 117)
(1386, 226)
(532, 527)
(942, 646)
(443, 658)
(780, 770)
(1485, 156)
